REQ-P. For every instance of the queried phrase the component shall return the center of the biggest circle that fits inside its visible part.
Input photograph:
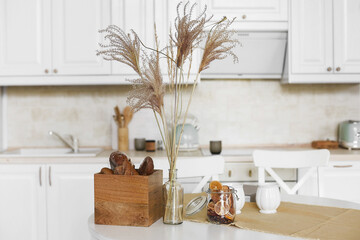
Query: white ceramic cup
(268, 197)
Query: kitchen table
(192, 230)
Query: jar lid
(195, 205)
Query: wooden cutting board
(325, 144)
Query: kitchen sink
(51, 152)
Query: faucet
(74, 144)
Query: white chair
(208, 168)
(312, 159)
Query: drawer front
(248, 172)
(249, 10)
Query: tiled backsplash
(241, 112)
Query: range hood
(261, 56)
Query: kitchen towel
(296, 220)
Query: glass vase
(173, 200)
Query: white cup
(268, 197)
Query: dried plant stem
(167, 143)
(162, 134)
(187, 110)
(157, 51)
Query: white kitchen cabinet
(22, 202)
(50, 38)
(312, 36)
(323, 37)
(70, 200)
(249, 10)
(340, 180)
(346, 36)
(251, 15)
(46, 202)
(25, 37)
(137, 15)
(75, 37)
(247, 172)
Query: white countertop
(192, 230)
(230, 155)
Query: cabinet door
(339, 181)
(75, 36)
(247, 172)
(22, 202)
(249, 10)
(347, 36)
(70, 200)
(311, 34)
(137, 15)
(25, 37)
(342, 181)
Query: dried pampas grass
(219, 43)
(149, 89)
(121, 47)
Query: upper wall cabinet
(52, 37)
(139, 16)
(249, 10)
(75, 26)
(251, 14)
(323, 42)
(347, 36)
(165, 15)
(25, 37)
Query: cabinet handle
(229, 173)
(55, 70)
(343, 166)
(329, 69)
(338, 69)
(250, 173)
(243, 16)
(46, 71)
(50, 176)
(40, 182)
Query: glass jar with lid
(221, 205)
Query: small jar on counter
(150, 145)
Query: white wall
(240, 112)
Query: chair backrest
(313, 159)
(187, 167)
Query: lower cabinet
(22, 202)
(46, 202)
(70, 200)
(247, 172)
(341, 180)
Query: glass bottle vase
(173, 200)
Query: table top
(192, 230)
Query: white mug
(268, 197)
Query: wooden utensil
(128, 114)
(116, 121)
(117, 115)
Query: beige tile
(239, 112)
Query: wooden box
(128, 200)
